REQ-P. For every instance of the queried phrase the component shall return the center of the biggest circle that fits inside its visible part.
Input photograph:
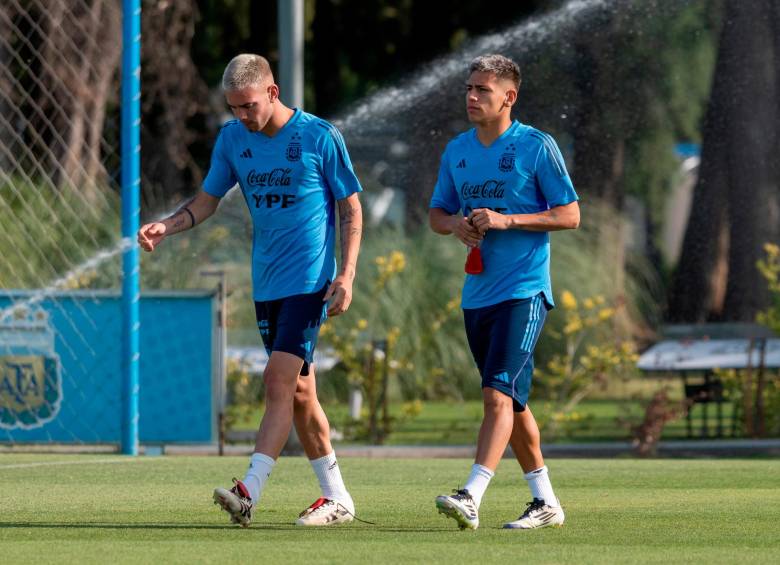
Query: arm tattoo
(178, 221)
(183, 218)
(350, 222)
(351, 225)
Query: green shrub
(48, 232)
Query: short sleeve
(445, 196)
(551, 174)
(337, 168)
(220, 178)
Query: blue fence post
(131, 204)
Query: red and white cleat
(236, 502)
(325, 512)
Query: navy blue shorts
(502, 338)
(292, 324)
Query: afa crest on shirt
(507, 161)
(294, 148)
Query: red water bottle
(474, 261)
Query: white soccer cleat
(537, 515)
(236, 502)
(325, 512)
(460, 507)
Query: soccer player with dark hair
(502, 187)
(293, 170)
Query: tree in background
(63, 78)
(640, 75)
(736, 206)
(393, 37)
(175, 103)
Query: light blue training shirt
(521, 172)
(290, 183)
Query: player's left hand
(339, 296)
(485, 219)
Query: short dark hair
(502, 67)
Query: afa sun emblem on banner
(30, 380)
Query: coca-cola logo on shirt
(275, 177)
(488, 189)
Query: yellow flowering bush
(387, 267)
(369, 356)
(402, 338)
(585, 364)
(769, 267)
(757, 392)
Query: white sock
(329, 475)
(478, 482)
(260, 466)
(541, 487)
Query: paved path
(691, 448)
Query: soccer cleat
(236, 502)
(537, 515)
(461, 507)
(325, 512)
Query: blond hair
(246, 70)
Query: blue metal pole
(131, 205)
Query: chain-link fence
(59, 153)
(60, 322)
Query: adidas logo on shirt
(247, 154)
(461, 164)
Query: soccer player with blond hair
(294, 172)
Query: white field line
(53, 463)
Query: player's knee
(495, 402)
(278, 388)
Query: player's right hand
(150, 235)
(466, 232)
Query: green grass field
(110, 509)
